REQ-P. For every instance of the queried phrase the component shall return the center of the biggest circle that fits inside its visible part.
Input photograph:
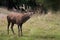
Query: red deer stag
(19, 19)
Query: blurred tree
(49, 4)
(13, 4)
(52, 4)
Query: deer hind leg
(12, 28)
(8, 27)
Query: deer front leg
(18, 31)
(21, 29)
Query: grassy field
(44, 27)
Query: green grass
(45, 27)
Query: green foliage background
(50, 4)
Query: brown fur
(17, 18)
